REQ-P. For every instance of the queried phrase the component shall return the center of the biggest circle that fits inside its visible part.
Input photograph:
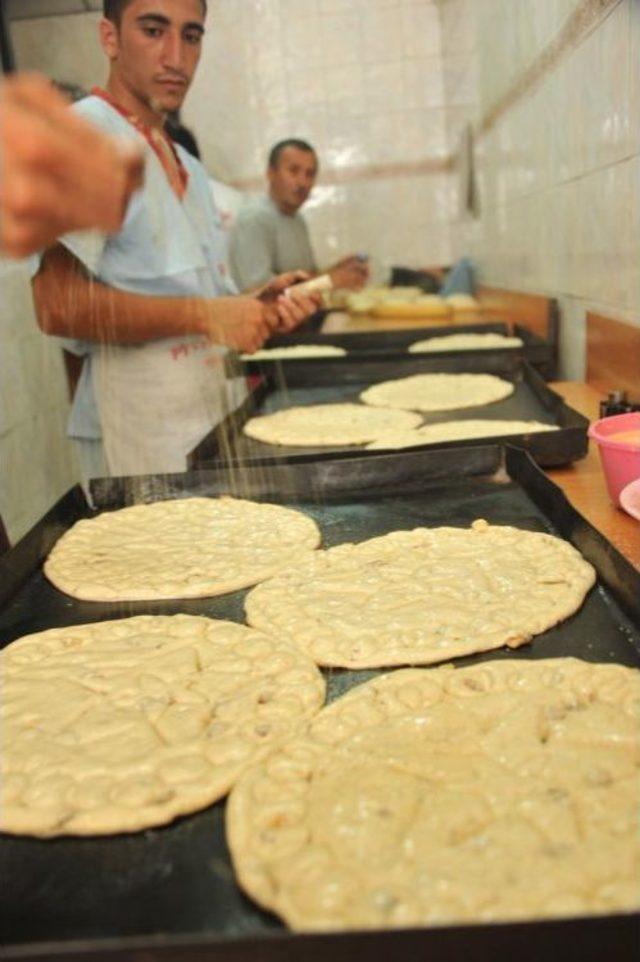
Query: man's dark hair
(73, 92)
(274, 155)
(182, 135)
(113, 9)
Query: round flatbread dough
(120, 725)
(507, 790)
(463, 302)
(428, 305)
(438, 392)
(464, 342)
(423, 596)
(294, 352)
(458, 431)
(189, 548)
(331, 425)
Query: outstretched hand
(58, 172)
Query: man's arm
(70, 303)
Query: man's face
(292, 179)
(155, 50)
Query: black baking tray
(539, 351)
(168, 893)
(532, 399)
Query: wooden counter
(583, 482)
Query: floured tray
(531, 400)
(169, 893)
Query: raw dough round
(422, 596)
(117, 726)
(438, 392)
(428, 305)
(507, 790)
(463, 302)
(464, 342)
(295, 351)
(458, 431)
(331, 425)
(189, 548)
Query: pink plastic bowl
(620, 459)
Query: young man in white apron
(151, 307)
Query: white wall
(559, 171)
(361, 79)
(36, 461)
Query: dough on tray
(425, 305)
(438, 392)
(422, 596)
(464, 342)
(329, 425)
(507, 790)
(294, 351)
(188, 548)
(118, 726)
(458, 431)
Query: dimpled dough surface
(459, 431)
(117, 726)
(422, 596)
(328, 424)
(188, 548)
(507, 790)
(437, 392)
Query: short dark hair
(276, 150)
(113, 9)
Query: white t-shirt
(154, 402)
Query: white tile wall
(559, 174)
(36, 461)
(362, 80)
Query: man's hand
(237, 322)
(350, 273)
(283, 311)
(58, 173)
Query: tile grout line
(586, 16)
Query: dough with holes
(508, 790)
(188, 548)
(423, 596)
(117, 726)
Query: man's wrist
(198, 315)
